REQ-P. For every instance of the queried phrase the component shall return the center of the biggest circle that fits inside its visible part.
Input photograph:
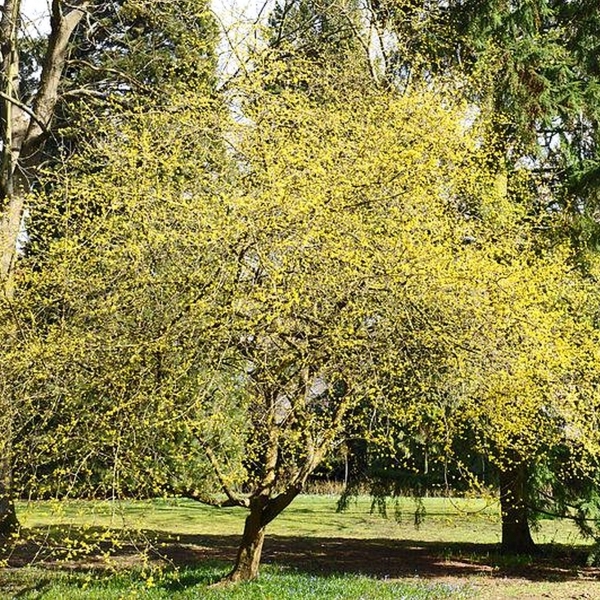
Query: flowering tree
(222, 314)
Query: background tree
(40, 77)
(530, 69)
(527, 70)
(518, 387)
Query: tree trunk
(9, 523)
(516, 536)
(262, 511)
(23, 131)
(250, 550)
(10, 224)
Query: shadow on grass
(381, 558)
(211, 572)
(385, 558)
(39, 587)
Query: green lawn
(447, 520)
(105, 550)
(274, 584)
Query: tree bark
(262, 511)
(10, 217)
(23, 132)
(516, 535)
(10, 224)
(250, 549)
(9, 523)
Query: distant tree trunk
(9, 523)
(516, 536)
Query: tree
(520, 381)
(527, 69)
(241, 308)
(30, 104)
(23, 130)
(212, 323)
(541, 367)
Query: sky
(235, 18)
(36, 13)
(227, 10)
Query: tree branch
(63, 26)
(278, 504)
(132, 80)
(233, 498)
(203, 499)
(24, 108)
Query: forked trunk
(250, 550)
(262, 511)
(516, 535)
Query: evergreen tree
(531, 64)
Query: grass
(274, 583)
(447, 520)
(105, 550)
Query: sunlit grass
(451, 520)
(105, 550)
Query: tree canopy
(220, 288)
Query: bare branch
(122, 74)
(233, 498)
(24, 108)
